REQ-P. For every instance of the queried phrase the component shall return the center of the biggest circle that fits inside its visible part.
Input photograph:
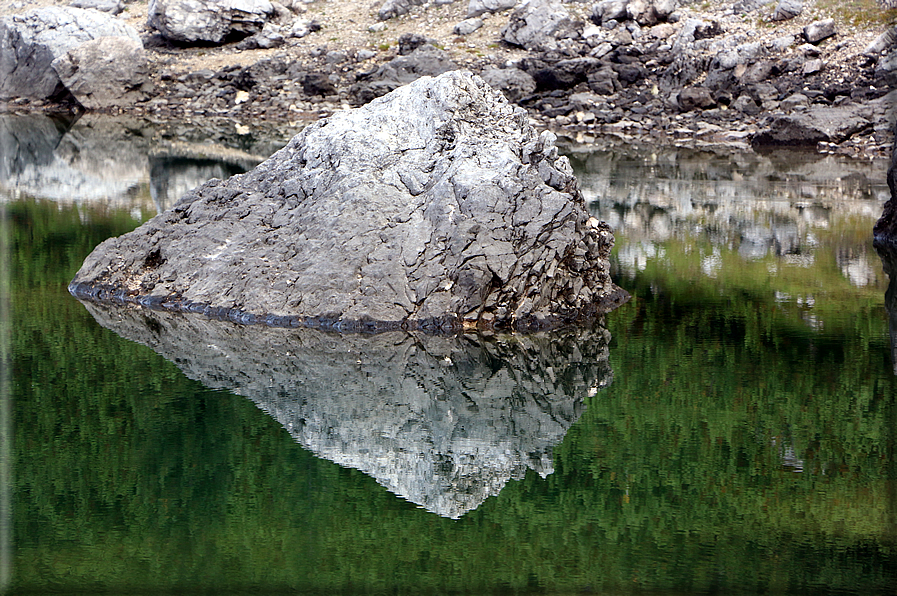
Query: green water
(745, 443)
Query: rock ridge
(437, 206)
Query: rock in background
(539, 24)
(436, 206)
(105, 72)
(30, 42)
(208, 21)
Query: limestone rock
(480, 7)
(444, 422)
(539, 24)
(105, 72)
(745, 6)
(607, 10)
(396, 8)
(31, 41)
(436, 206)
(110, 6)
(468, 26)
(885, 41)
(819, 30)
(208, 21)
(787, 9)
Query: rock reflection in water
(444, 422)
(125, 161)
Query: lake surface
(729, 430)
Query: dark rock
(631, 73)
(513, 82)
(604, 81)
(794, 101)
(31, 41)
(409, 42)
(426, 60)
(539, 24)
(317, 83)
(691, 98)
(787, 9)
(105, 72)
(436, 205)
(480, 7)
(809, 127)
(565, 74)
(746, 105)
(819, 30)
(885, 230)
(208, 21)
(706, 30)
(464, 415)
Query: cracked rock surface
(442, 421)
(437, 205)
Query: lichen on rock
(435, 206)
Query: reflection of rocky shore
(444, 422)
(771, 204)
(125, 162)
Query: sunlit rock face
(437, 205)
(443, 421)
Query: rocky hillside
(797, 72)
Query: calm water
(730, 430)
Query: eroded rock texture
(444, 422)
(437, 205)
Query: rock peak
(434, 206)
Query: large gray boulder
(437, 205)
(105, 72)
(208, 21)
(31, 41)
(444, 422)
(539, 24)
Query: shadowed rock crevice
(444, 422)
(437, 205)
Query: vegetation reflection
(737, 449)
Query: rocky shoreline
(719, 73)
